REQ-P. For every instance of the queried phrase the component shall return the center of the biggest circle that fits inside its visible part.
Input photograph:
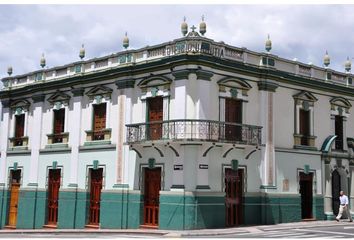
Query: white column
(267, 152)
(4, 135)
(203, 103)
(108, 113)
(166, 108)
(328, 188)
(345, 146)
(202, 170)
(222, 109)
(178, 173)
(35, 138)
(75, 134)
(180, 100)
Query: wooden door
(53, 195)
(304, 126)
(155, 106)
(152, 189)
(233, 114)
(234, 197)
(336, 187)
(14, 195)
(59, 119)
(99, 121)
(19, 129)
(306, 195)
(95, 195)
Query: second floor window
(233, 117)
(304, 126)
(19, 129)
(59, 120)
(339, 132)
(99, 121)
(155, 114)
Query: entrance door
(306, 195)
(14, 192)
(336, 183)
(233, 114)
(155, 106)
(95, 196)
(152, 189)
(53, 195)
(234, 197)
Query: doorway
(306, 187)
(15, 182)
(96, 179)
(234, 186)
(233, 117)
(336, 187)
(53, 195)
(152, 187)
(155, 108)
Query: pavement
(179, 233)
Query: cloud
(301, 31)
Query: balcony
(194, 130)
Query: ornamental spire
(126, 41)
(348, 65)
(184, 27)
(202, 26)
(9, 70)
(326, 59)
(268, 44)
(82, 52)
(43, 61)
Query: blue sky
(304, 32)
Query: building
(187, 134)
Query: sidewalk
(180, 233)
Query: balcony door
(336, 188)
(155, 114)
(59, 119)
(233, 114)
(339, 132)
(19, 129)
(53, 195)
(234, 197)
(99, 121)
(152, 187)
(14, 195)
(96, 179)
(304, 126)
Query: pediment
(59, 96)
(305, 96)
(24, 104)
(154, 81)
(235, 83)
(341, 102)
(99, 90)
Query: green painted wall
(120, 210)
(4, 200)
(72, 209)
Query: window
(304, 126)
(59, 120)
(338, 122)
(19, 129)
(99, 121)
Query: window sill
(304, 147)
(57, 146)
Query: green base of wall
(123, 209)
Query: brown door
(151, 196)
(306, 195)
(304, 126)
(234, 197)
(339, 132)
(59, 118)
(233, 114)
(336, 187)
(95, 196)
(99, 121)
(14, 192)
(53, 196)
(155, 106)
(19, 129)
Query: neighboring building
(186, 134)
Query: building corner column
(4, 136)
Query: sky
(304, 32)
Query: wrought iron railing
(194, 130)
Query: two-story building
(187, 134)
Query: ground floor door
(152, 187)
(234, 196)
(14, 195)
(336, 188)
(96, 177)
(306, 188)
(53, 195)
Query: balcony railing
(194, 130)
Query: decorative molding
(38, 98)
(59, 97)
(99, 90)
(267, 85)
(305, 96)
(78, 92)
(233, 82)
(181, 74)
(23, 104)
(5, 103)
(125, 83)
(154, 81)
(204, 75)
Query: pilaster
(4, 139)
